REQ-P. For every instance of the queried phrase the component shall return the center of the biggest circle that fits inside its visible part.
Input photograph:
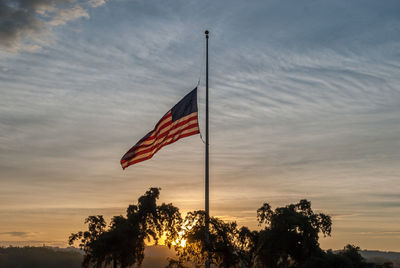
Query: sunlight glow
(180, 241)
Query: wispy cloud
(304, 104)
(16, 234)
(27, 25)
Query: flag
(179, 122)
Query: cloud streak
(16, 234)
(28, 24)
(303, 104)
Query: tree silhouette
(225, 245)
(123, 242)
(349, 257)
(289, 238)
(291, 234)
(351, 253)
(90, 241)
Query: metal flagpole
(207, 208)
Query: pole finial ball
(206, 32)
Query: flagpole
(207, 207)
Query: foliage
(349, 257)
(123, 242)
(291, 234)
(351, 253)
(228, 244)
(288, 238)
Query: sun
(180, 241)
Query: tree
(289, 238)
(349, 257)
(291, 234)
(91, 241)
(123, 242)
(229, 246)
(351, 253)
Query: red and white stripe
(164, 133)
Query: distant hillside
(380, 257)
(156, 257)
(54, 257)
(43, 257)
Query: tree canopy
(123, 242)
(288, 237)
(291, 234)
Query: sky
(304, 104)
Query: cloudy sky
(304, 103)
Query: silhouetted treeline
(38, 257)
(288, 238)
(122, 243)
(382, 258)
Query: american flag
(179, 122)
